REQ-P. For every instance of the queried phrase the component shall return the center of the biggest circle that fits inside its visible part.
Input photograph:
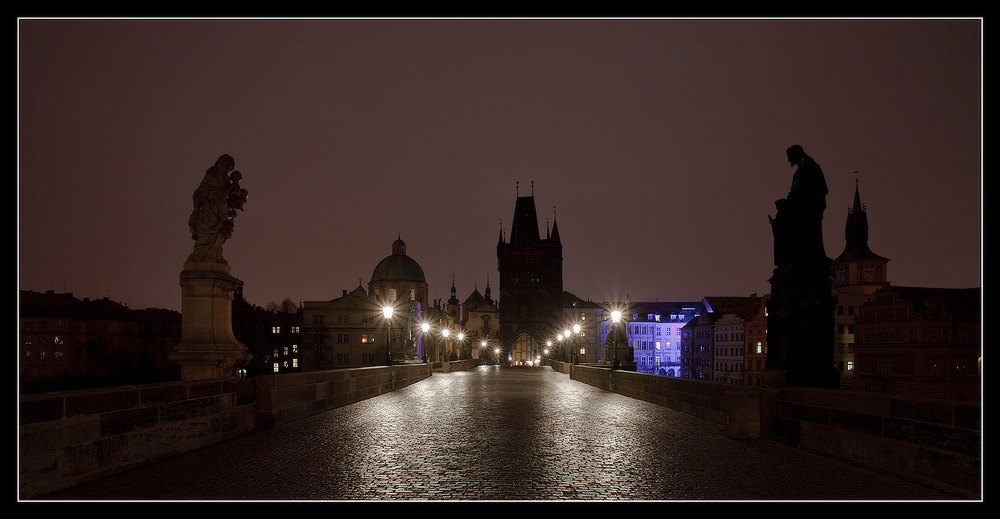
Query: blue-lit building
(654, 334)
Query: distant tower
(531, 283)
(858, 273)
(858, 265)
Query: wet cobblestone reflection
(499, 434)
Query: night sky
(658, 145)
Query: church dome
(398, 266)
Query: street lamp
(616, 317)
(576, 345)
(387, 312)
(425, 328)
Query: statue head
(795, 154)
(224, 164)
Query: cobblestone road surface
(499, 434)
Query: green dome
(398, 266)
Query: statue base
(208, 349)
(800, 326)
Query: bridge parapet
(933, 442)
(70, 437)
(292, 396)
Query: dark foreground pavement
(499, 434)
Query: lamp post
(445, 333)
(576, 343)
(616, 317)
(387, 312)
(425, 328)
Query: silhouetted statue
(216, 202)
(798, 224)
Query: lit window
(295, 348)
(295, 363)
(57, 340)
(850, 365)
(295, 329)
(286, 351)
(276, 367)
(276, 329)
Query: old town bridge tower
(531, 284)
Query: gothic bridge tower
(531, 284)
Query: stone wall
(934, 442)
(71, 437)
(291, 396)
(455, 365)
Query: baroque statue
(798, 224)
(216, 202)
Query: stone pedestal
(208, 348)
(800, 326)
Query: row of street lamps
(387, 312)
(574, 355)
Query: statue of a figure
(798, 224)
(216, 202)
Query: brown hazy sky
(658, 144)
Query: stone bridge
(467, 432)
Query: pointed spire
(856, 231)
(555, 228)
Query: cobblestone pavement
(499, 434)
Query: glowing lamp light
(616, 316)
(425, 327)
(387, 312)
(461, 336)
(576, 328)
(444, 332)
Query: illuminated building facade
(349, 331)
(756, 344)
(273, 336)
(481, 320)
(581, 331)
(729, 334)
(655, 331)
